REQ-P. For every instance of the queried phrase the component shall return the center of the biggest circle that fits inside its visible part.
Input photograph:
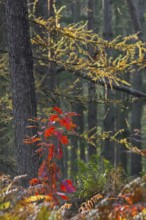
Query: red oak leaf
(62, 195)
(34, 181)
(64, 140)
(66, 123)
(49, 132)
(62, 187)
(53, 118)
(67, 186)
(57, 110)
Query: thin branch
(122, 88)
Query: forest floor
(19, 203)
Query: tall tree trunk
(109, 120)
(77, 106)
(121, 123)
(92, 107)
(47, 71)
(23, 88)
(51, 76)
(136, 114)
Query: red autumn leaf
(62, 195)
(38, 151)
(67, 186)
(49, 132)
(66, 123)
(69, 181)
(64, 140)
(129, 200)
(57, 110)
(53, 118)
(72, 126)
(34, 181)
(31, 140)
(62, 187)
(70, 114)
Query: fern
(92, 176)
(98, 176)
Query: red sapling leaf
(67, 186)
(64, 140)
(58, 110)
(34, 181)
(65, 122)
(62, 195)
(53, 118)
(62, 187)
(31, 140)
(49, 132)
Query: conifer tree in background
(109, 118)
(77, 105)
(136, 13)
(92, 106)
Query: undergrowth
(98, 175)
(106, 194)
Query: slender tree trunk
(121, 123)
(134, 13)
(109, 120)
(136, 114)
(23, 88)
(92, 107)
(77, 144)
(52, 67)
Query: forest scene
(72, 111)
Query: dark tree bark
(121, 123)
(135, 18)
(77, 106)
(52, 67)
(109, 120)
(23, 88)
(136, 114)
(107, 21)
(92, 107)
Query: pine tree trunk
(136, 114)
(77, 106)
(92, 107)
(23, 88)
(109, 120)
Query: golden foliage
(86, 53)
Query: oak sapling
(50, 140)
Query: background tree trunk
(136, 114)
(109, 119)
(76, 106)
(92, 107)
(23, 88)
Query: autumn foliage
(51, 139)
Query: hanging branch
(122, 88)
